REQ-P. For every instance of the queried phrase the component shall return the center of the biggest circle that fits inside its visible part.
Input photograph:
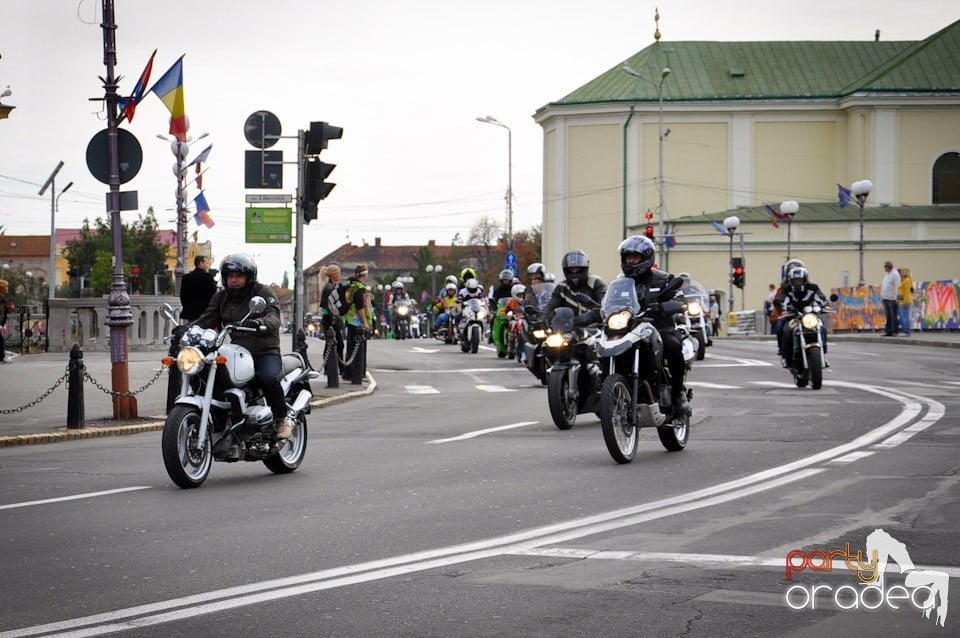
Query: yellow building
(715, 129)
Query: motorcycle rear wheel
(701, 348)
(563, 408)
(186, 465)
(474, 341)
(291, 454)
(621, 437)
(815, 361)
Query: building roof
(809, 70)
(25, 246)
(378, 257)
(831, 212)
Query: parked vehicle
(636, 388)
(221, 414)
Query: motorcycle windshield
(621, 295)
(542, 292)
(473, 305)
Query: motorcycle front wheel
(187, 465)
(815, 361)
(674, 437)
(620, 436)
(563, 408)
(289, 457)
(474, 340)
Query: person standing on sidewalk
(888, 295)
(905, 300)
(359, 320)
(4, 291)
(196, 289)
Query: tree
(484, 236)
(285, 282)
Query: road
(447, 503)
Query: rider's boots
(284, 427)
(680, 403)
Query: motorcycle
(475, 311)
(499, 326)
(447, 332)
(534, 331)
(635, 392)
(401, 319)
(513, 334)
(806, 332)
(574, 376)
(695, 318)
(221, 415)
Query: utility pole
(119, 317)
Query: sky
(406, 81)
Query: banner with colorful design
(936, 307)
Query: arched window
(946, 179)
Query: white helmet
(451, 288)
(472, 285)
(517, 291)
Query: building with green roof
(747, 124)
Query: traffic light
(318, 135)
(737, 273)
(135, 278)
(316, 172)
(649, 232)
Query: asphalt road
(447, 503)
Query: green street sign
(268, 225)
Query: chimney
(376, 242)
(432, 243)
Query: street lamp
(788, 210)
(664, 73)
(489, 119)
(731, 224)
(861, 190)
(180, 151)
(52, 184)
(433, 271)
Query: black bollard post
(302, 347)
(174, 377)
(75, 417)
(358, 368)
(332, 368)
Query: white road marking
(74, 497)
(421, 389)
(522, 541)
(852, 457)
(424, 350)
(476, 433)
(714, 386)
(731, 362)
(494, 388)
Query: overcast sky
(406, 81)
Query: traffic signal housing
(316, 172)
(319, 134)
(737, 273)
(649, 232)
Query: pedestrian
(905, 300)
(4, 302)
(196, 289)
(359, 319)
(889, 290)
(332, 307)
(715, 315)
(769, 309)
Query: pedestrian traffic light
(649, 232)
(737, 272)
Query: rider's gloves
(252, 323)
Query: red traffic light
(648, 215)
(135, 270)
(648, 231)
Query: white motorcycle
(221, 415)
(475, 311)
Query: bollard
(358, 368)
(174, 377)
(75, 418)
(302, 347)
(332, 368)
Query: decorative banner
(936, 307)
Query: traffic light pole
(298, 246)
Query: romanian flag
(203, 211)
(202, 157)
(718, 227)
(775, 217)
(169, 89)
(129, 105)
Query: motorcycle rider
(778, 299)
(238, 274)
(471, 290)
(536, 276)
(637, 256)
(800, 292)
(503, 290)
(398, 295)
(465, 275)
(577, 279)
(443, 304)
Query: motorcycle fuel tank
(239, 365)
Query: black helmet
(576, 267)
(798, 278)
(637, 245)
(241, 263)
(536, 269)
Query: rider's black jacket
(649, 286)
(565, 296)
(808, 294)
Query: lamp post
(788, 210)
(489, 119)
(731, 224)
(180, 151)
(52, 184)
(861, 190)
(664, 73)
(433, 271)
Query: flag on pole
(775, 217)
(670, 239)
(844, 195)
(169, 89)
(128, 105)
(203, 211)
(718, 226)
(193, 237)
(202, 157)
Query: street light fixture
(664, 73)
(52, 184)
(861, 190)
(788, 210)
(489, 119)
(433, 271)
(731, 224)
(180, 151)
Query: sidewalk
(935, 339)
(30, 376)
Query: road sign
(263, 169)
(128, 149)
(268, 225)
(262, 129)
(510, 259)
(269, 198)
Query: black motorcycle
(574, 376)
(806, 334)
(534, 331)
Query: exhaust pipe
(301, 401)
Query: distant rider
(577, 279)
(800, 293)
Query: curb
(846, 337)
(152, 426)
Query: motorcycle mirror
(672, 286)
(834, 296)
(563, 320)
(257, 306)
(167, 311)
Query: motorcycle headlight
(619, 320)
(402, 311)
(556, 340)
(189, 361)
(539, 333)
(810, 321)
(311, 327)
(694, 309)
(481, 314)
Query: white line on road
(493, 388)
(476, 433)
(75, 497)
(731, 362)
(421, 389)
(713, 386)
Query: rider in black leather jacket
(576, 270)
